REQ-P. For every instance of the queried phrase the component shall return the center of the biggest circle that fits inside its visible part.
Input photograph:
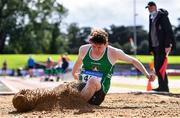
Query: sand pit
(64, 96)
(115, 105)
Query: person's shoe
(156, 89)
(164, 90)
(160, 90)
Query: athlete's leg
(91, 87)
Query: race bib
(86, 75)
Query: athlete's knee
(94, 83)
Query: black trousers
(158, 62)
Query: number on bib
(86, 75)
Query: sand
(114, 105)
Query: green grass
(171, 59)
(20, 60)
(149, 58)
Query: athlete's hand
(76, 76)
(151, 77)
(151, 53)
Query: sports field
(122, 104)
(20, 60)
(125, 99)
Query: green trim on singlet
(102, 65)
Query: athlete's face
(98, 48)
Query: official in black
(161, 41)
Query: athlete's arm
(76, 67)
(75, 70)
(78, 63)
(120, 55)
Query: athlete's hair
(98, 36)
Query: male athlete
(94, 66)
